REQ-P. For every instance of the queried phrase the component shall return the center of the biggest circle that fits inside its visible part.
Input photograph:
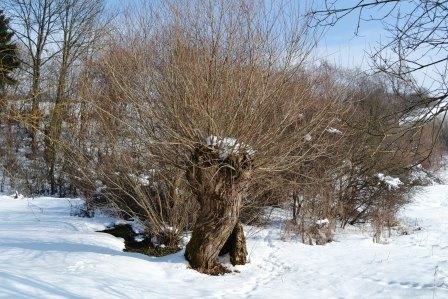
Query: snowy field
(46, 253)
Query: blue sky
(344, 45)
(339, 45)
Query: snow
(425, 114)
(333, 130)
(322, 222)
(142, 179)
(228, 145)
(45, 253)
(391, 182)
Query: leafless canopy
(418, 41)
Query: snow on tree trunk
(219, 186)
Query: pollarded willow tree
(230, 109)
(216, 90)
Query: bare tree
(34, 22)
(78, 22)
(213, 91)
(418, 43)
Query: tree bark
(35, 110)
(55, 127)
(216, 221)
(235, 246)
(219, 188)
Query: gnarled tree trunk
(235, 246)
(219, 186)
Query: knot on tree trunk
(219, 184)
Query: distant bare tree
(418, 43)
(34, 22)
(78, 22)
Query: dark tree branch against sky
(416, 45)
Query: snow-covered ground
(45, 253)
